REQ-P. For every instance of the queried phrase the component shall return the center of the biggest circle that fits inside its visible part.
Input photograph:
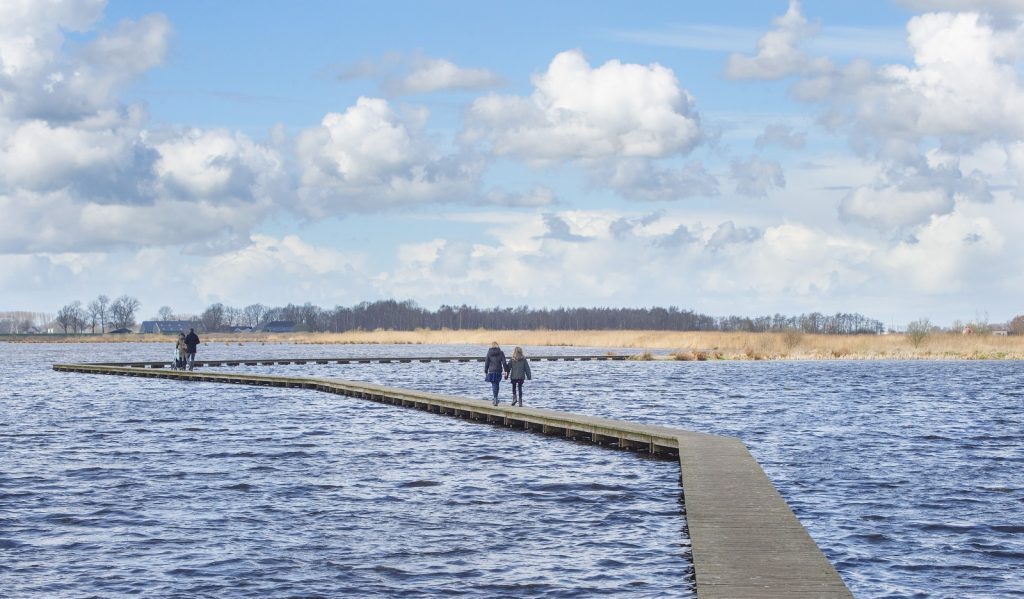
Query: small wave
(416, 484)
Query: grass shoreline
(680, 345)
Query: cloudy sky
(734, 157)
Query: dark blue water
(907, 474)
(113, 487)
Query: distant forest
(406, 315)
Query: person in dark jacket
(518, 371)
(494, 366)
(191, 341)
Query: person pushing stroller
(180, 353)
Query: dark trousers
(517, 384)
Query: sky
(736, 157)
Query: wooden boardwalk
(357, 360)
(745, 540)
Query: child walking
(518, 371)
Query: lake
(907, 474)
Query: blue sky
(735, 157)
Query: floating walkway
(351, 360)
(745, 540)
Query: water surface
(907, 474)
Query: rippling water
(907, 474)
(113, 486)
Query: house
(170, 327)
(279, 326)
(1000, 333)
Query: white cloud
(780, 135)
(534, 198)
(219, 165)
(80, 171)
(581, 113)
(889, 207)
(58, 222)
(44, 80)
(949, 253)
(1007, 7)
(756, 177)
(370, 158)
(279, 271)
(644, 180)
(437, 74)
(964, 83)
(778, 51)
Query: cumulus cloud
(416, 73)
(42, 80)
(81, 171)
(258, 269)
(911, 196)
(219, 165)
(59, 222)
(779, 53)
(947, 253)
(680, 236)
(756, 177)
(437, 74)
(892, 207)
(558, 228)
(577, 112)
(1005, 7)
(644, 180)
(370, 158)
(964, 83)
(782, 136)
(728, 234)
(536, 197)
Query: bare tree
(254, 314)
(234, 316)
(213, 317)
(95, 313)
(165, 313)
(101, 305)
(122, 312)
(71, 317)
(918, 331)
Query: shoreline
(648, 345)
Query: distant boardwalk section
(745, 540)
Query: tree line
(407, 315)
(102, 312)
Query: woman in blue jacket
(494, 366)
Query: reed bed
(678, 345)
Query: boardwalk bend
(745, 540)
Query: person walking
(518, 371)
(180, 352)
(191, 341)
(494, 366)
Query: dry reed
(696, 345)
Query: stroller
(180, 358)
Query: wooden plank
(746, 541)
